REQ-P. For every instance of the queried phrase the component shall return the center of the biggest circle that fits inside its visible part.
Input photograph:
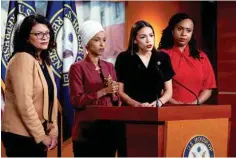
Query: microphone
(159, 70)
(198, 103)
(162, 78)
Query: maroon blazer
(84, 83)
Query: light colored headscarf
(89, 29)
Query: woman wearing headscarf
(92, 81)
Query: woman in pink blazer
(29, 124)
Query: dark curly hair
(167, 40)
(133, 48)
(22, 34)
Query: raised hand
(112, 87)
(108, 80)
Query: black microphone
(198, 103)
(159, 70)
(162, 77)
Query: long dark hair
(133, 48)
(167, 40)
(22, 34)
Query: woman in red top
(194, 79)
(93, 82)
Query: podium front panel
(179, 133)
(142, 139)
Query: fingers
(153, 104)
(109, 77)
(53, 143)
(146, 105)
(47, 142)
(108, 80)
(115, 87)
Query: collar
(91, 64)
(101, 63)
(186, 51)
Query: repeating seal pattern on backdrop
(69, 49)
(12, 22)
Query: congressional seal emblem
(17, 12)
(69, 49)
(199, 146)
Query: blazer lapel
(54, 86)
(45, 92)
(104, 69)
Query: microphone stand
(198, 103)
(162, 80)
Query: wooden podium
(165, 131)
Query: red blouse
(196, 75)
